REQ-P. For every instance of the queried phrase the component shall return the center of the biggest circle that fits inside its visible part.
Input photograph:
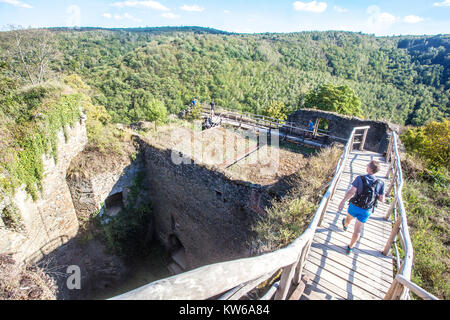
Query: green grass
(288, 217)
(428, 215)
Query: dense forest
(401, 79)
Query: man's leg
(348, 219)
(356, 233)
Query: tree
(30, 51)
(156, 111)
(431, 142)
(277, 110)
(341, 99)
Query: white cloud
(130, 17)
(193, 8)
(227, 11)
(141, 4)
(121, 17)
(445, 3)
(339, 9)
(17, 3)
(170, 15)
(412, 19)
(74, 18)
(379, 21)
(313, 6)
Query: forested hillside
(401, 79)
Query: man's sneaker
(349, 250)
(343, 225)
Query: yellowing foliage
(430, 142)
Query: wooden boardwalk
(365, 274)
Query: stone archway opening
(113, 204)
(178, 255)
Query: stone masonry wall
(210, 214)
(50, 220)
(341, 126)
(88, 193)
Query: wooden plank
(376, 238)
(341, 283)
(375, 271)
(350, 260)
(325, 290)
(378, 235)
(381, 231)
(371, 226)
(348, 282)
(300, 288)
(384, 266)
(376, 218)
(358, 251)
(372, 272)
(356, 277)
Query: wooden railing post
(394, 180)
(350, 149)
(322, 214)
(299, 269)
(395, 291)
(388, 172)
(391, 208)
(363, 140)
(394, 233)
(389, 149)
(285, 282)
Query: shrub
(430, 142)
(32, 121)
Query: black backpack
(368, 197)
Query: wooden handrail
(415, 288)
(212, 280)
(277, 123)
(399, 289)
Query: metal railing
(233, 279)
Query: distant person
(212, 105)
(311, 127)
(208, 123)
(365, 192)
(193, 102)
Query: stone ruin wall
(341, 126)
(210, 214)
(51, 219)
(88, 194)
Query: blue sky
(379, 17)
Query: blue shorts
(361, 214)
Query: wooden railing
(399, 289)
(268, 122)
(233, 279)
